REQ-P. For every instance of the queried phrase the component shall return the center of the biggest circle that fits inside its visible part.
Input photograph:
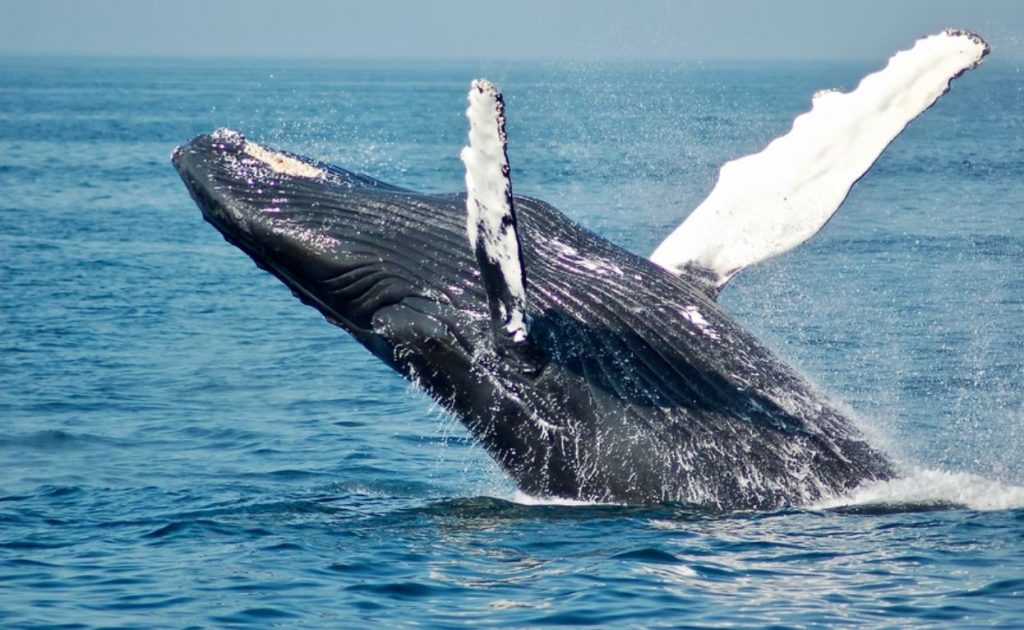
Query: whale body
(638, 387)
(587, 372)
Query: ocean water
(184, 444)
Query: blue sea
(184, 444)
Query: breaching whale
(587, 372)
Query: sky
(511, 30)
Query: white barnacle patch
(692, 315)
(225, 135)
(281, 163)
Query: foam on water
(926, 485)
(522, 498)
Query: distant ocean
(184, 444)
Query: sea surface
(184, 444)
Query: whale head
(357, 249)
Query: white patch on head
(227, 135)
(281, 163)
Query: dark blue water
(182, 443)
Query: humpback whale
(586, 371)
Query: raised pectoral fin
(768, 203)
(491, 217)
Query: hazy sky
(514, 29)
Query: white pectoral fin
(768, 203)
(491, 217)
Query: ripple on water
(183, 444)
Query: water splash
(930, 486)
(522, 498)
